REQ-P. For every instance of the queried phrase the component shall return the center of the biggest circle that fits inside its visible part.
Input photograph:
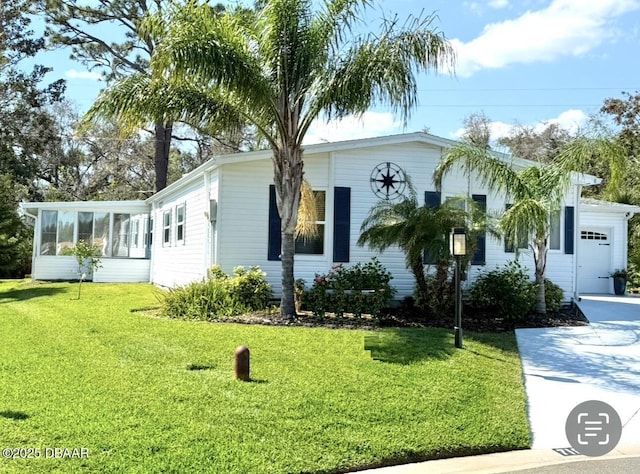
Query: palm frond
(491, 171)
(306, 226)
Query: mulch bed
(401, 317)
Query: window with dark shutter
(341, 224)
(480, 255)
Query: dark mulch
(412, 317)
(473, 321)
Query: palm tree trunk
(417, 268)
(540, 260)
(163, 133)
(287, 303)
(287, 163)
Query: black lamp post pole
(458, 321)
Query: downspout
(576, 241)
(628, 216)
(208, 231)
(152, 244)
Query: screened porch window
(48, 232)
(60, 231)
(120, 247)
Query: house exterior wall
(179, 256)
(244, 196)
(238, 234)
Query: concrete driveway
(566, 366)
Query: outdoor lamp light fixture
(459, 242)
(458, 249)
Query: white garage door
(594, 260)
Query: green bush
(250, 288)
(359, 289)
(219, 297)
(509, 293)
(505, 293)
(553, 296)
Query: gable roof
(328, 147)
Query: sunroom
(122, 230)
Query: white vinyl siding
(176, 265)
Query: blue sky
(528, 62)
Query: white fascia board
(595, 205)
(99, 206)
(584, 179)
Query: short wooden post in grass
(241, 365)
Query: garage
(602, 243)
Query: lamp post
(458, 249)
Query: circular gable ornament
(388, 181)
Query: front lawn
(151, 395)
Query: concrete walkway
(566, 366)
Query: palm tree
(414, 228)
(535, 192)
(283, 66)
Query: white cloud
(564, 28)
(497, 4)
(571, 120)
(73, 74)
(497, 130)
(372, 124)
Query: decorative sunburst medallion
(388, 181)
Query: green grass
(153, 395)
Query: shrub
(506, 293)
(250, 288)
(341, 290)
(553, 296)
(220, 296)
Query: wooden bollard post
(241, 365)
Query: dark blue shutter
(431, 200)
(569, 228)
(275, 233)
(508, 248)
(480, 255)
(341, 223)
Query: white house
(224, 213)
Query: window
(148, 235)
(85, 227)
(314, 245)
(120, 244)
(101, 232)
(180, 218)
(166, 228)
(554, 234)
(66, 228)
(135, 233)
(48, 232)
